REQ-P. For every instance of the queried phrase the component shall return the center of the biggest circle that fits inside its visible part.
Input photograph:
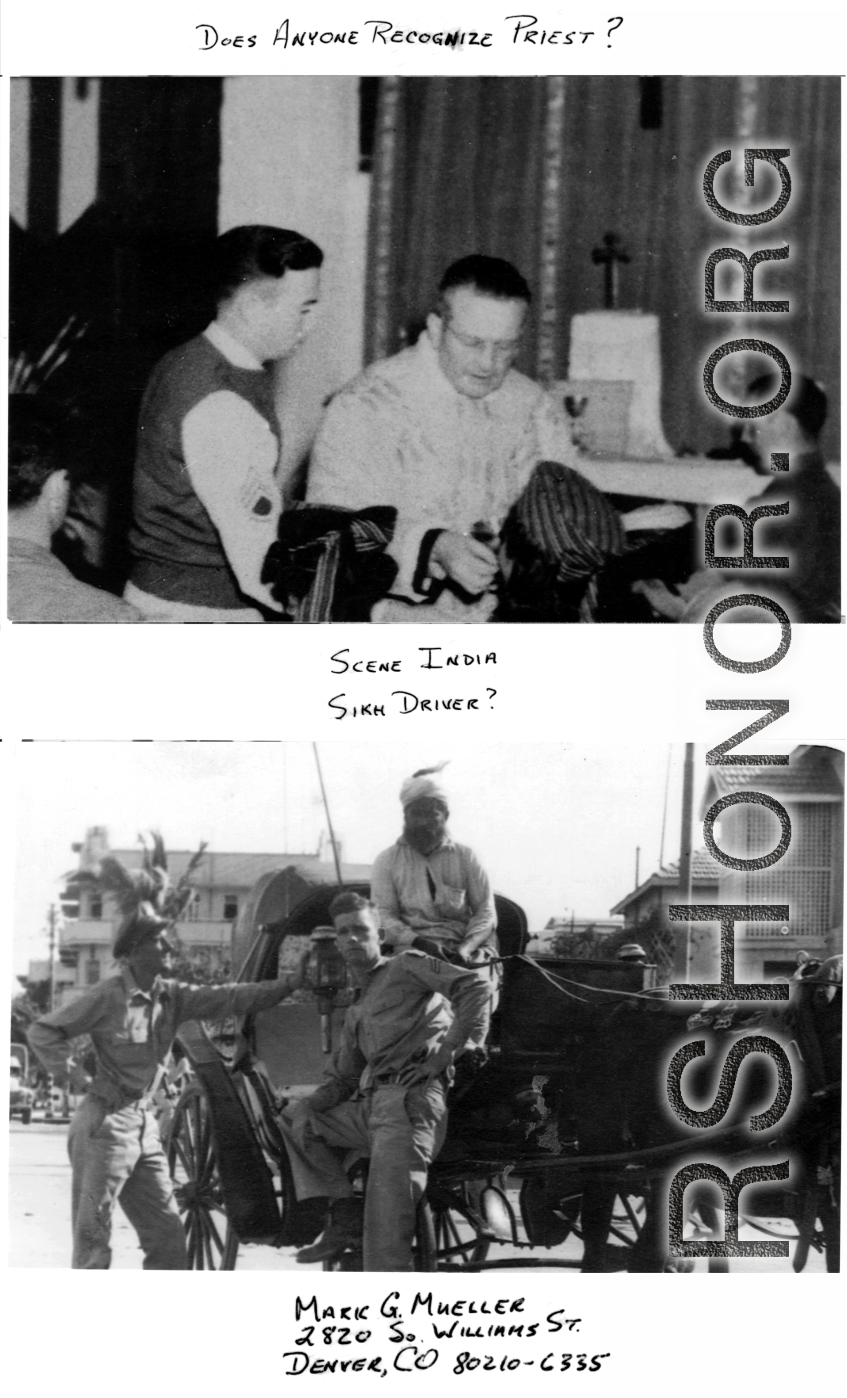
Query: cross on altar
(608, 256)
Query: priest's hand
(652, 517)
(466, 561)
(660, 597)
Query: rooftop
(227, 869)
(813, 774)
(704, 869)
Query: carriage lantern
(328, 974)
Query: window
(803, 878)
(95, 907)
(92, 972)
(230, 907)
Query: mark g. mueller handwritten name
(406, 701)
(409, 1340)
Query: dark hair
(34, 432)
(490, 276)
(347, 902)
(806, 401)
(258, 250)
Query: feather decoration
(150, 883)
(431, 771)
(28, 374)
(180, 896)
(155, 866)
(113, 877)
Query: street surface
(40, 1208)
(40, 1219)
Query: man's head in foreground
(39, 487)
(357, 929)
(142, 943)
(793, 428)
(267, 285)
(477, 325)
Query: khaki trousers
(119, 1154)
(401, 1130)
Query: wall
(19, 148)
(290, 157)
(79, 149)
(80, 118)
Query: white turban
(423, 784)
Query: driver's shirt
(409, 1006)
(132, 1029)
(445, 894)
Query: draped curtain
(538, 170)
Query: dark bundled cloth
(559, 534)
(329, 564)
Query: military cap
(632, 952)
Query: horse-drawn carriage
(564, 1135)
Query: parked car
(62, 1103)
(21, 1095)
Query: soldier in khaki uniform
(114, 1141)
(385, 1092)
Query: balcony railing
(89, 932)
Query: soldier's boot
(343, 1230)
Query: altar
(612, 399)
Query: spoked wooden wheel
(459, 1245)
(211, 1241)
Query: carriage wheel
(713, 1222)
(423, 1247)
(211, 1242)
(453, 1251)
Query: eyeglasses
(501, 349)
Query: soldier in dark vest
(206, 502)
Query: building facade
(645, 911)
(809, 877)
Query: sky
(556, 825)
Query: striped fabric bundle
(330, 564)
(568, 520)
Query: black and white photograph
(396, 349)
(463, 1011)
(335, 1014)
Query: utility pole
(333, 840)
(685, 848)
(51, 924)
